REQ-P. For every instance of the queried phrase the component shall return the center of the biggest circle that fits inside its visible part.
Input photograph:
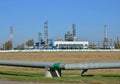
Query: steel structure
(68, 36)
(53, 69)
(105, 42)
(40, 39)
(118, 39)
(71, 36)
(74, 32)
(11, 36)
(45, 34)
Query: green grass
(66, 78)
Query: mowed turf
(64, 57)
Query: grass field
(109, 76)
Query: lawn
(66, 78)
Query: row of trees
(8, 45)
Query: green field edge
(66, 78)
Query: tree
(30, 43)
(7, 45)
(117, 45)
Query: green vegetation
(7, 45)
(30, 43)
(117, 45)
(66, 78)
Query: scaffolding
(106, 41)
(46, 34)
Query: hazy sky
(28, 16)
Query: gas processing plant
(69, 42)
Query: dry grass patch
(62, 57)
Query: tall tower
(11, 36)
(118, 39)
(46, 34)
(40, 39)
(105, 42)
(74, 32)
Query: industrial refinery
(68, 42)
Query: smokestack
(74, 32)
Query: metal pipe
(92, 65)
(63, 66)
(27, 64)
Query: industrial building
(71, 36)
(70, 41)
(70, 44)
(68, 36)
